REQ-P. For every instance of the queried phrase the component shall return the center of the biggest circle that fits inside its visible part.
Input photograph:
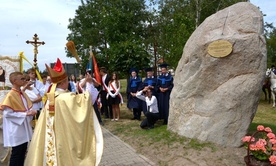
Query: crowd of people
(150, 96)
(65, 120)
(60, 108)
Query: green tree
(177, 26)
(270, 33)
(115, 29)
(178, 20)
(136, 33)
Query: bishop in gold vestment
(67, 132)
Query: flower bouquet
(260, 149)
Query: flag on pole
(95, 67)
(89, 64)
(96, 70)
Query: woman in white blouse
(152, 113)
(114, 97)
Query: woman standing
(72, 82)
(133, 102)
(114, 97)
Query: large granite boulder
(215, 98)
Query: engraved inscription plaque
(220, 48)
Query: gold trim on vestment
(50, 141)
(14, 101)
(51, 98)
(66, 137)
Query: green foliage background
(138, 33)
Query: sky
(21, 19)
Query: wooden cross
(35, 43)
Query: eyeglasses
(27, 79)
(23, 79)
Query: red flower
(260, 128)
(247, 139)
(273, 141)
(268, 130)
(270, 135)
(272, 159)
(264, 147)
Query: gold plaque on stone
(220, 48)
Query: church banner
(8, 64)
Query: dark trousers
(106, 108)
(152, 118)
(18, 155)
(137, 113)
(95, 105)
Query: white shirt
(17, 128)
(91, 89)
(41, 88)
(32, 94)
(103, 81)
(46, 87)
(116, 89)
(151, 103)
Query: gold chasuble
(71, 136)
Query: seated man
(152, 113)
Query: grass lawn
(156, 142)
(265, 115)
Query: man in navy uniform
(150, 83)
(133, 86)
(164, 88)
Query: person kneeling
(152, 114)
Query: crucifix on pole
(35, 43)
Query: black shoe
(165, 122)
(133, 118)
(139, 119)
